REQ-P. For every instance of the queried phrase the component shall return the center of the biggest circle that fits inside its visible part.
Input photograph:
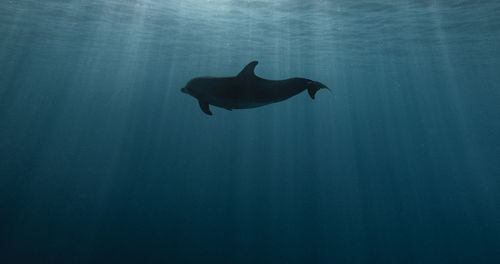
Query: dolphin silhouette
(246, 90)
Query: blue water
(104, 160)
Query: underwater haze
(104, 160)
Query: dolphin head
(187, 89)
(193, 87)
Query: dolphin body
(246, 90)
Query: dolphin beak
(184, 90)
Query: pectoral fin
(204, 107)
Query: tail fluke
(313, 87)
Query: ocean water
(104, 160)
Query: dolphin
(246, 90)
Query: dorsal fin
(248, 71)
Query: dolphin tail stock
(313, 87)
